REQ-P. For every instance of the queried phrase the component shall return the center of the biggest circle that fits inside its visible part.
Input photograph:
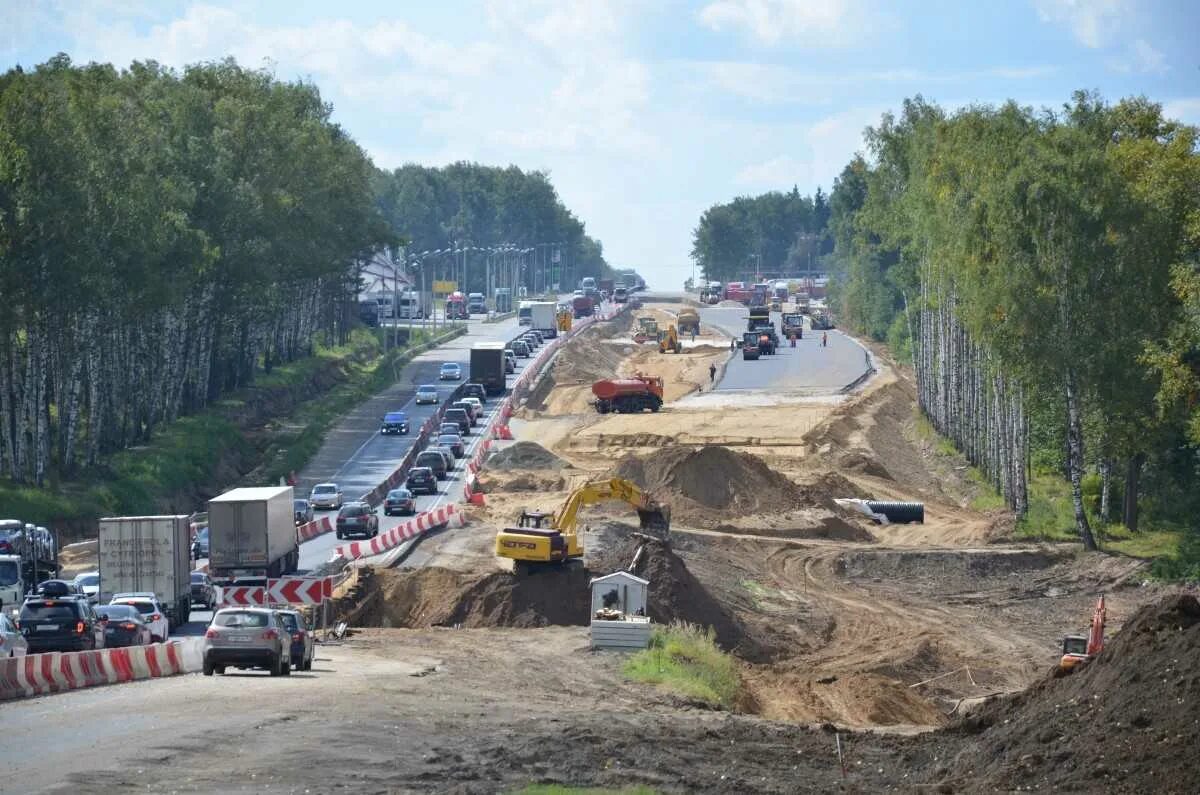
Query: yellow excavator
(668, 341)
(541, 537)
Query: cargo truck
(542, 318)
(582, 306)
(487, 367)
(148, 554)
(28, 556)
(251, 533)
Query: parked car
(510, 361)
(475, 391)
(147, 604)
(303, 640)
(357, 518)
(327, 496)
(520, 348)
(203, 592)
(89, 584)
(53, 623)
(446, 453)
(399, 501)
(302, 511)
(427, 394)
(433, 460)
(472, 412)
(394, 422)
(454, 442)
(123, 626)
(461, 417)
(450, 371)
(12, 642)
(247, 637)
(421, 480)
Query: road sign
(241, 595)
(299, 590)
(444, 287)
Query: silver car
(248, 637)
(326, 495)
(89, 584)
(12, 642)
(427, 394)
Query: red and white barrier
(317, 527)
(414, 527)
(55, 672)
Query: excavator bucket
(656, 521)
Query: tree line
(770, 233)
(472, 206)
(1040, 271)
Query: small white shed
(622, 598)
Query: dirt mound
(705, 485)
(1127, 722)
(526, 455)
(492, 483)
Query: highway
(808, 367)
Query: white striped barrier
(317, 527)
(56, 672)
(399, 534)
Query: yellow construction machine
(563, 319)
(668, 341)
(541, 537)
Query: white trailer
(543, 318)
(148, 554)
(252, 533)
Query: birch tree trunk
(1075, 459)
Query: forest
(468, 208)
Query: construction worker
(824, 339)
(792, 337)
(712, 373)
(733, 344)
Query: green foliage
(684, 659)
(771, 232)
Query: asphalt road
(808, 367)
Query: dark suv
(433, 461)
(421, 480)
(461, 417)
(357, 518)
(475, 391)
(67, 623)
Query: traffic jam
(248, 583)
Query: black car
(302, 512)
(394, 422)
(433, 461)
(399, 501)
(421, 480)
(356, 518)
(60, 624)
(475, 391)
(461, 417)
(123, 626)
(454, 442)
(472, 412)
(202, 590)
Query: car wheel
(208, 668)
(220, 669)
(277, 666)
(285, 668)
(339, 535)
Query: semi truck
(503, 299)
(487, 366)
(251, 533)
(476, 304)
(148, 554)
(525, 313)
(542, 318)
(456, 307)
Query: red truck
(628, 395)
(582, 306)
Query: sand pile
(1129, 721)
(526, 455)
(704, 485)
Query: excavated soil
(1129, 721)
(525, 455)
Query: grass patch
(187, 452)
(555, 789)
(684, 659)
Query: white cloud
(1186, 110)
(817, 23)
(1148, 59)
(774, 173)
(1092, 22)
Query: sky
(643, 113)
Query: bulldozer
(647, 330)
(1080, 649)
(541, 537)
(668, 341)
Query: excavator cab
(536, 519)
(1075, 645)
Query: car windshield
(117, 612)
(240, 618)
(324, 490)
(197, 576)
(426, 389)
(353, 510)
(143, 606)
(202, 534)
(448, 439)
(300, 505)
(88, 579)
(395, 417)
(44, 611)
(398, 494)
(289, 621)
(9, 571)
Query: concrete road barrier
(56, 672)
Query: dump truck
(793, 322)
(628, 395)
(688, 321)
(251, 533)
(582, 306)
(544, 538)
(759, 317)
(750, 349)
(150, 554)
(821, 320)
(487, 367)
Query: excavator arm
(651, 515)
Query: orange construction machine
(1078, 649)
(628, 395)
